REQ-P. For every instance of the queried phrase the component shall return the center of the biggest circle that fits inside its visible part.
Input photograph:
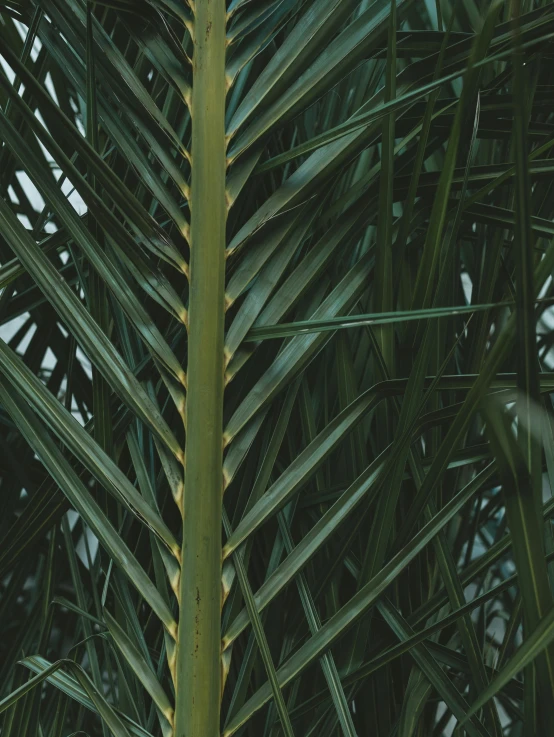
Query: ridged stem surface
(198, 651)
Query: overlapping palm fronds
(277, 446)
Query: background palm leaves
(387, 424)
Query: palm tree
(277, 436)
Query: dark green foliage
(388, 429)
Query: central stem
(198, 679)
